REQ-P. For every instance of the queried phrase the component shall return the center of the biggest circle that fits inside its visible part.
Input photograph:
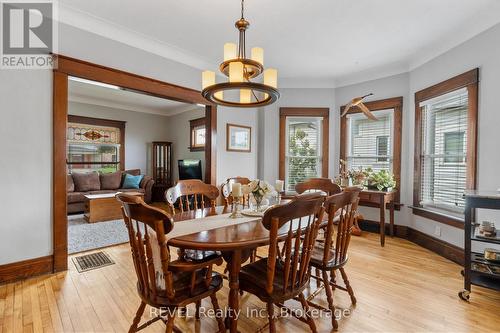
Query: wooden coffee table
(103, 207)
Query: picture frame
(238, 138)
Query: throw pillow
(132, 181)
(85, 182)
(110, 181)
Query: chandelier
(240, 91)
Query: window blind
(370, 142)
(444, 151)
(303, 149)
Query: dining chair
(190, 195)
(161, 283)
(325, 185)
(226, 191)
(284, 273)
(331, 255)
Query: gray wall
(179, 134)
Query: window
(454, 147)
(382, 148)
(443, 168)
(445, 150)
(303, 145)
(94, 144)
(373, 143)
(197, 134)
(370, 141)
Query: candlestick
(236, 190)
(236, 208)
(280, 184)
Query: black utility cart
(478, 271)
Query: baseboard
(444, 249)
(438, 246)
(26, 268)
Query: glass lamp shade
(236, 71)
(208, 79)
(271, 77)
(257, 54)
(245, 96)
(230, 51)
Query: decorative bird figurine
(358, 101)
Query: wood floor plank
(400, 288)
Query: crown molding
(77, 98)
(96, 25)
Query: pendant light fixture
(240, 91)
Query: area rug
(83, 236)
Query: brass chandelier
(240, 70)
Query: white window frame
(319, 155)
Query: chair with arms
(226, 190)
(284, 274)
(161, 283)
(318, 184)
(331, 254)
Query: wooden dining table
(236, 242)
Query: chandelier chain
(242, 8)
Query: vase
(258, 202)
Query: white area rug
(83, 236)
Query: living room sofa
(80, 184)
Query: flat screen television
(189, 169)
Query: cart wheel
(464, 295)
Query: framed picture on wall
(238, 138)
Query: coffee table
(103, 207)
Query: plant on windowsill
(382, 180)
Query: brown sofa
(79, 184)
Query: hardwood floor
(400, 288)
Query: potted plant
(359, 177)
(382, 180)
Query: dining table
(236, 243)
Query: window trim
(467, 80)
(193, 124)
(304, 112)
(105, 123)
(396, 104)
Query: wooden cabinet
(162, 168)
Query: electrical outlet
(437, 231)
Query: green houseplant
(382, 180)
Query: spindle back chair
(285, 273)
(191, 194)
(161, 282)
(331, 254)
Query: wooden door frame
(66, 67)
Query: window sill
(439, 217)
(196, 149)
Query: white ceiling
(324, 40)
(87, 93)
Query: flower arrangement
(359, 177)
(380, 180)
(259, 190)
